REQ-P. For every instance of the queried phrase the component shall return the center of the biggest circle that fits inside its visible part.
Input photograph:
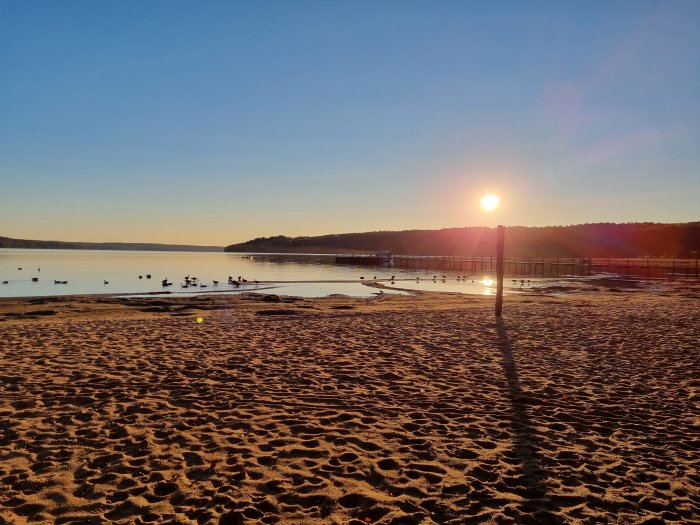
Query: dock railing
(537, 266)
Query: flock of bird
(444, 278)
(194, 282)
(188, 281)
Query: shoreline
(574, 408)
(539, 286)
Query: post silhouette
(500, 237)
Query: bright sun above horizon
(489, 202)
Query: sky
(216, 122)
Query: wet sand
(574, 408)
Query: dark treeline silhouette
(7, 242)
(584, 240)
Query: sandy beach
(574, 408)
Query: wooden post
(500, 237)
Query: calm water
(298, 275)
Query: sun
(489, 202)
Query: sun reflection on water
(488, 283)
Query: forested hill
(7, 242)
(584, 240)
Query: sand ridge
(396, 410)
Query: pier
(533, 266)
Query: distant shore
(7, 242)
(392, 410)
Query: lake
(303, 275)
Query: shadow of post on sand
(532, 483)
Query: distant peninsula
(583, 240)
(7, 242)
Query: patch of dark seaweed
(277, 312)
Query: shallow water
(304, 275)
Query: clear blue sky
(215, 122)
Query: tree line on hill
(583, 240)
(7, 242)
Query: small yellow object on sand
(200, 320)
